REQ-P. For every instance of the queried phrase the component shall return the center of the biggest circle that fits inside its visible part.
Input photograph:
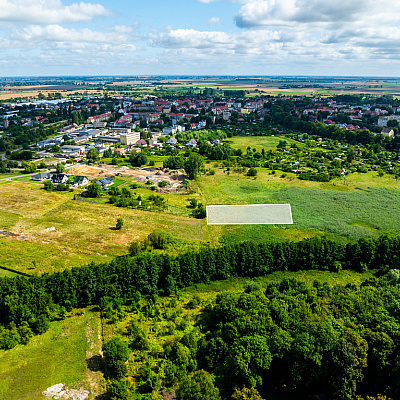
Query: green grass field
(8, 274)
(260, 142)
(361, 206)
(57, 356)
(83, 231)
(239, 284)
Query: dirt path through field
(94, 356)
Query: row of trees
(29, 300)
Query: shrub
(119, 224)
(252, 172)
(159, 239)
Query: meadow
(58, 356)
(362, 205)
(260, 142)
(84, 231)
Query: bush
(116, 353)
(48, 185)
(30, 167)
(193, 203)
(158, 239)
(163, 184)
(134, 248)
(119, 224)
(117, 390)
(137, 159)
(200, 212)
(94, 190)
(61, 187)
(252, 172)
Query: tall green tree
(197, 386)
(193, 165)
(116, 353)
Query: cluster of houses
(77, 181)
(173, 116)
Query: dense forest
(319, 340)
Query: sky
(199, 37)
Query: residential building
(129, 138)
(387, 132)
(105, 183)
(41, 176)
(80, 181)
(59, 178)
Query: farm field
(66, 354)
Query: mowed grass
(260, 142)
(57, 356)
(83, 231)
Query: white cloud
(214, 20)
(267, 13)
(57, 33)
(48, 11)
(125, 28)
(190, 38)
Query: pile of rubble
(60, 391)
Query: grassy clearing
(58, 356)
(351, 214)
(239, 284)
(83, 231)
(4, 273)
(260, 142)
(360, 206)
(11, 174)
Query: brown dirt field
(140, 175)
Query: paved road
(50, 170)
(19, 176)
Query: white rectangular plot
(249, 214)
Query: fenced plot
(249, 214)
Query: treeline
(32, 302)
(316, 342)
(201, 134)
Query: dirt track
(141, 175)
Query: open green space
(361, 206)
(211, 289)
(11, 174)
(260, 142)
(6, 273)
(57, 356)
(84, 231)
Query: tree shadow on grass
(95, 363)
